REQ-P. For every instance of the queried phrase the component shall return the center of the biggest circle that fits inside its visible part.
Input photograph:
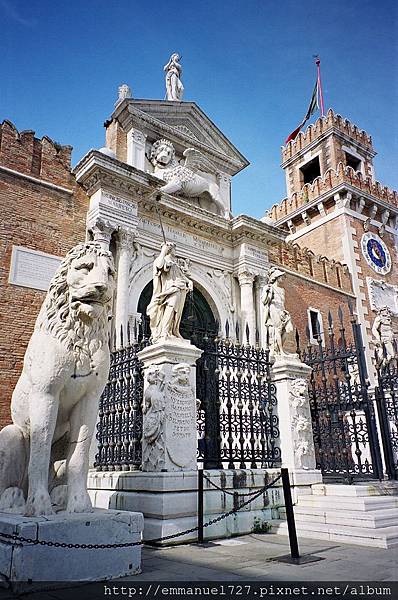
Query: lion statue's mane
(58, 317)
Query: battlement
(332, 179)
(316, 130)
(41, 158)
(305, 262)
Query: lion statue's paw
(79, 503)
(12, 500)
(39, 504)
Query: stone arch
(210, 289)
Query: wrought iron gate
(343, 419)
(387, 407)
(119, 428)
(237, 424)
(237, 421)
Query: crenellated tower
(335, 207)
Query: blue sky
(247, 63)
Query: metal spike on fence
(297, 335)
(257, 335)
(121, 336)
(247, 331)
(237, 331)
(341, 315)
(114, 339)
(128, 333)
(227, 329)
(135, 330)
(351, 308)
(307, 333)
(330, 320)
(217, 326)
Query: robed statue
(277, 319)
(171, 284)
(174, 87)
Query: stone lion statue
(44, 453)
(184, 179)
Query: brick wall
(39, 218)
(301, 294)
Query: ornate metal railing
(343, 419)
(237, 424)
(119, 427)
(387, 406)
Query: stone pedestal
(290, 376)
(169, 440)
(32, 567)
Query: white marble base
(169, 501)
(33, 567)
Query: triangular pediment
(187, 122)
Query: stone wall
(43, 209)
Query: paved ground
(249, 558)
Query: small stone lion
(184, 179)
(55, 402)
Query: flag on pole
(315, 103)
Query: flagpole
(318, 66)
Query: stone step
(353, 503)
(376, 488)
(386, 537)
(369, 519)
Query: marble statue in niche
(171, 283)
(44, 454)
(277, 319)
(173, 70)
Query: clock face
(376, 253)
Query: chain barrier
(235, 494)
(16, 540)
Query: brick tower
(335, 207)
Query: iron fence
(238, 424)
(119, 427)
(343, 419)
(387, 405)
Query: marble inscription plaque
(32, 269)
(181, 427)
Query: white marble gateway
(31, 268)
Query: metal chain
(236, 494)
(17, 540)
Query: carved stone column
(290, 376)
(169, 438)
(259, 284)
(125, 250)
(248, 312)
(102, 233)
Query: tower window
(353, 162)
(315, 325)
(311, 170)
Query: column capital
(246, 278)
(102, 231)
(260, 281)
(125, 238)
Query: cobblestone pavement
(247, 558)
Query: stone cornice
(97, 170)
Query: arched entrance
(197, 319)
(199, 325)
